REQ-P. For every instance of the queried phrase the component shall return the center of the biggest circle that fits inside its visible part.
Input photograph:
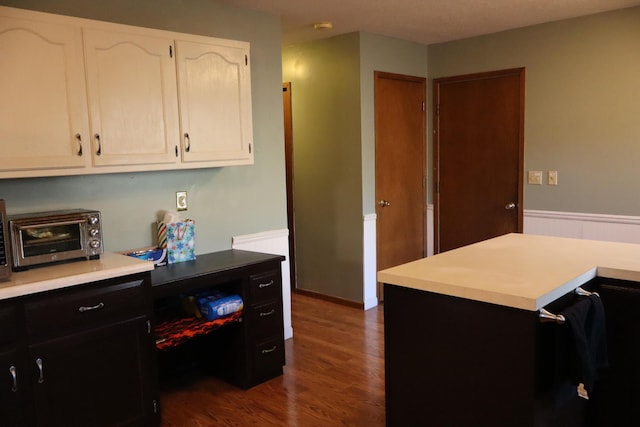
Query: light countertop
(518, 270)
(58, 276)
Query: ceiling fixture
(323, 25)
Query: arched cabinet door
(214, 91)
(132, 97)
(43, 107)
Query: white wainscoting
(614, 228)
(370, 295)
(272, 242)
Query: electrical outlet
(181, 200)
(535, 177)
(553, 178)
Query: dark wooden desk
(245, 351)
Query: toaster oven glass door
(44, 240)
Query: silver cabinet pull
(265, 285)
(41, 369)
(187, 141)
(267, 313)
(79, 139)
(269, 350)
(83, 308)
(99, 150)
(13, 372)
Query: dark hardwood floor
(334, 376)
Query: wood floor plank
(334, 376)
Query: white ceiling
(423, 21)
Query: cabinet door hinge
(423, 106)
(149, 327)
(246, 59)
(438, 109)
(170, 51)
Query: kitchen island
(464, 344)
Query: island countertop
(56, 276)
(518, 270)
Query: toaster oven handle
(84, 308)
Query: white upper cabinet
(214, 82)
(131, 85)
(79, 96)
(43, 121)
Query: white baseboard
(272, 242)
(614, 228)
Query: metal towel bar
(547, 316)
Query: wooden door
(400, 168)
(133, 105)
(288, 154)
(478, 157)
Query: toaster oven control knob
(95, 244)
(93, 220)
(94, 232)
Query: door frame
(288, 151)
(521, 72)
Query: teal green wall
(224, 202)
(325, 92)
(582, 105)
(334, 151)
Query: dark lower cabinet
(82, 356)
(456, 362)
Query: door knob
(384, 203)
(510, 206)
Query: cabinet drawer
(84, 308)
(268, 359)
(8, 324)
(264, 286)
(265, 320)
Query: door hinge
(438, 187)
(423, 106)
(170, 51)
(438, 109)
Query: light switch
(181, 200)
(553, 178)
(535, 177)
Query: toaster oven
(48, 237)
(5, 254)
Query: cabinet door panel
(14, 390)
(94, 378)
(215, 102)
(43, 104)
(132, 98)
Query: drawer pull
(41, 369)
(13, 372)
(267, 313)
(83, 308)
(265, 285)
(269, 350)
